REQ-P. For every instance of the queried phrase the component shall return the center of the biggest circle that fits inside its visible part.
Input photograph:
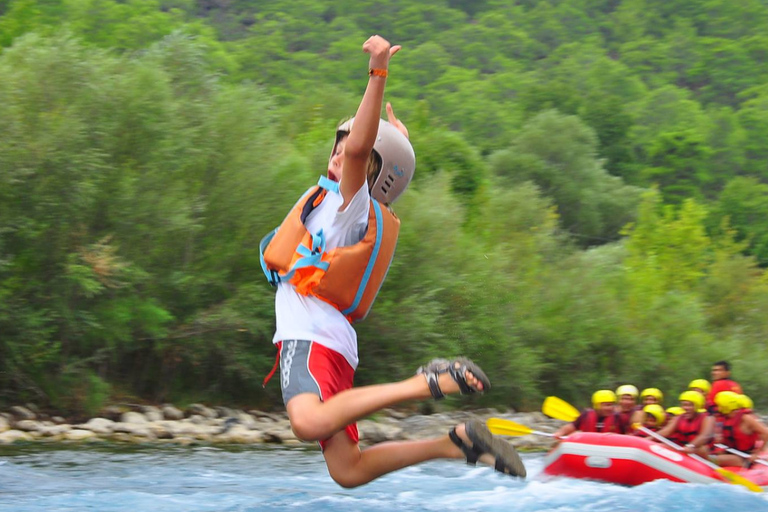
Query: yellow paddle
(729, 476)
(504, 427)
(559, 409)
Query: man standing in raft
(721, 381)
(328, 259)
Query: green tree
(559, 154)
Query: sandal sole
(485, 441)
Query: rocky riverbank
(199, 424)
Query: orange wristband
(377, 72)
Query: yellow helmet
(675, 411)
(657, 412)
(601, 396)
(746, 402)
(656, 392)
(627, 389)
(701, 384)
(727, 402)
(694, 397)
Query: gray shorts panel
(294, 370)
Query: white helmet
(398, 161)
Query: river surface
(111, 478)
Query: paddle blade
(735, 478)
(559, 409)
(503, 427)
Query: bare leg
(727, 459)
(313, 420)
(350, 467)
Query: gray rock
(225, 412)
(201, 410)
(372, 432)
(99, 426)
(246, 420)
(152, 413)
(22, 413)
(133, 417)
(279, 435)
(241, 435)
(197, 419)
(54, 431)
(78, 435)
(113, 412)
(172, 413)
(161, 430)
(395, 414)
(28, 425)
(4, 424)
(154, 416)
(58, 420)
(12, 436)
(32, 407)
(143, 431)
(267, 416)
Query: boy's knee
(309, 427)
(345, 478)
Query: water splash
(206, 479)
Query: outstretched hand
(380, 51)
(394, 121)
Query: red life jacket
(589, 421)
(734, 437)
(687, 429)
(625, 419)
(718, 386)
(346, 277)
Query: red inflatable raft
(630, 460)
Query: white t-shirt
(304, 317)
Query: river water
(111, 478)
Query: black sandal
(508, 461)
(457, 368)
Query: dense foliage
(590, 207)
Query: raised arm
(363, 134)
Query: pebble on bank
(199, 424)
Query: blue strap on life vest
(371, 261)
(311, 257)
(328, 184)
(272, 275)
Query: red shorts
(308, 367)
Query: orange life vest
(347, 277)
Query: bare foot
(450, 386)
(459, 375)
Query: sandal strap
(470, 453)
(458, 375)
(434, 385)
